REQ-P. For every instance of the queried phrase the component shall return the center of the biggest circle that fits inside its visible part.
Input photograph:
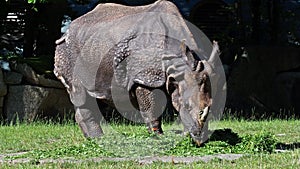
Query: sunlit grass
(49, 140)
(26, 137)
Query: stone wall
(27, 96)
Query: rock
(3, 87)
(29, 74)
(27, 103)
(35, 79)
(13, 78)
(50, 83)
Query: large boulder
(28, 73)
(31, 77)
(26, 103)
(13, 78)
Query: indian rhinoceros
(139, 50)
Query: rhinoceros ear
(190, 56)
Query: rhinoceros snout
(199, 134)
(197, 138)
(195, 133)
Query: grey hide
(137, 49)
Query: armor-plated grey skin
(136, 50)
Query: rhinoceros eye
(201, 112)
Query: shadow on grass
(225, 135)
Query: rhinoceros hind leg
(88, 117)
(151, 108)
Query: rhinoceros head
(191, 91)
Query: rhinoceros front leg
(88, 118)
(151, 107)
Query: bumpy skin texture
(138, 49)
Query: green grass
(38, 136)
(254, 138)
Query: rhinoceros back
(83, 58)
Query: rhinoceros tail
(61, 40)
(63, 63)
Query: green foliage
(263, 142)
(186, 147)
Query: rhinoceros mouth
(197, 139)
